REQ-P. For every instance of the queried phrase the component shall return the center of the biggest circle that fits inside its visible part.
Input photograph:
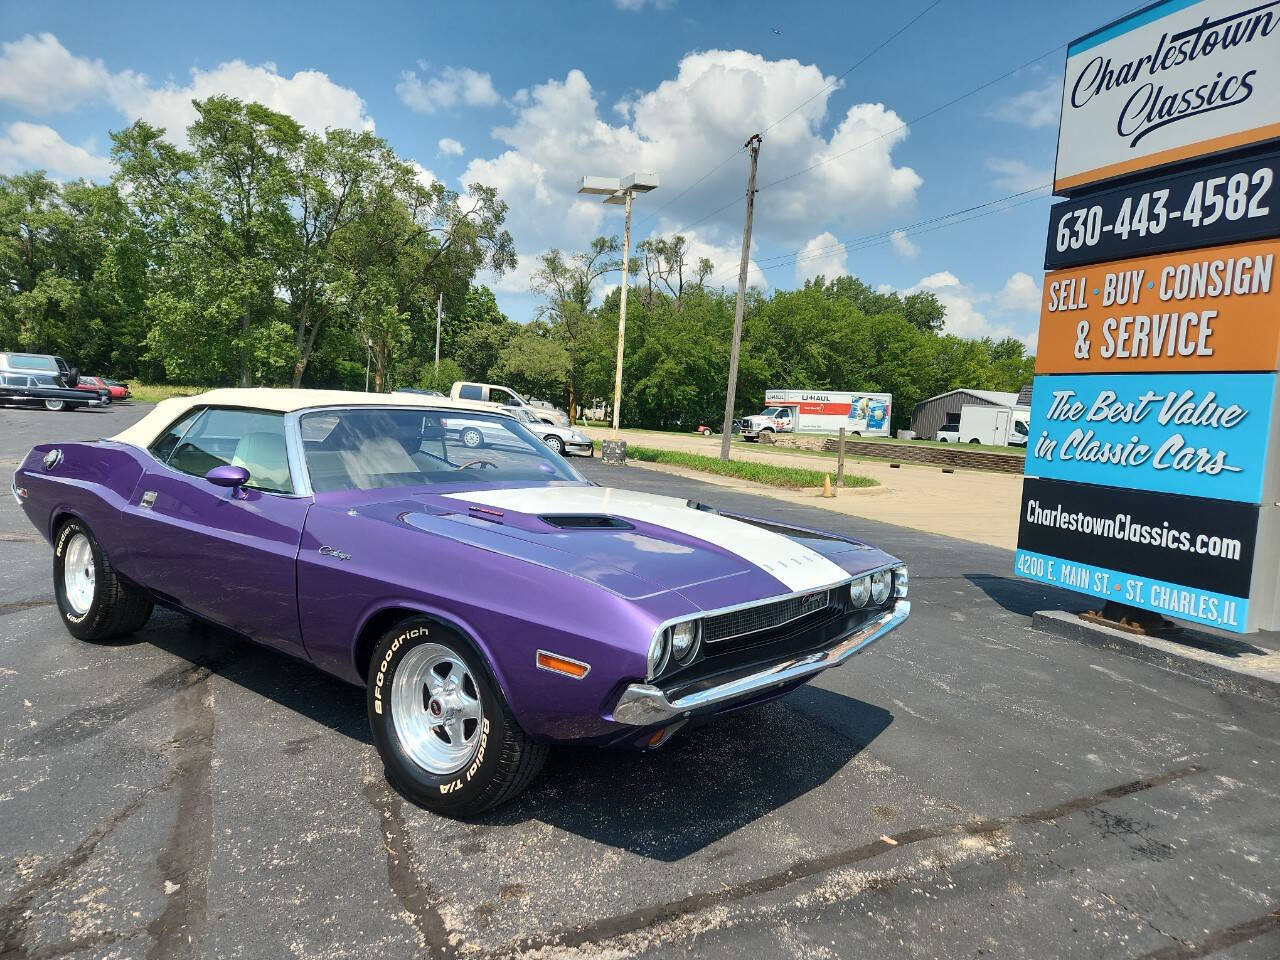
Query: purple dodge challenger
(491, 601)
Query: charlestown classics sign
(1153, 459)
(1177, 80)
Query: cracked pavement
(968, 788)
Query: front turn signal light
(563, 665)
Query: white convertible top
(145, 431)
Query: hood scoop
(586, 521)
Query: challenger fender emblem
(328, 551)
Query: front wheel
(55, 405)
(94, 602)
(471, 437)
(555, 443)
(440, 723)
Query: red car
(108, 391)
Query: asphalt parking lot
(968, 788)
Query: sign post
(1153, 463)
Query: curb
(1196, 656)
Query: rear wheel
(555, 443)
(440, 723)
(55, 404)
(94, 602)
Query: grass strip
(767, 473)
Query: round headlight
(860, 591)
(684, 638)
(658, 654)
(881, 585)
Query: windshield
(371, 448)
(770, 412)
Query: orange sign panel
(1199, 310)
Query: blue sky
(529, 97)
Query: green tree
(566, 283)
(222, 226)
(534, 364)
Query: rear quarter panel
(94, 482)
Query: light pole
(368, 354)
(620, 190)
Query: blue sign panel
(1203, 434)
(1170, 599)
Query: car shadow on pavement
(706, 782)
(1025, 597)
(294, 684)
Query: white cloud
(1020, 293)
(683, 128)
(1033, 108)
(902, 245)
(42, 76)
(309, 96)
(450, 147)
(824, 255)
(1016, 176)
(28, 146)
(965, 306)
(425, 176)
(454, 86)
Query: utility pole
(622, 318)
(753, 145)
(439, 311)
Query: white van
(994, 426)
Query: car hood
(638, 544)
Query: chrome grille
(765, 616)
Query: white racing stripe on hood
(798, 567)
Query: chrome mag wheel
(435, 709)
(78, 576)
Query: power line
(877, 239)
(911, 226)
(917, 119)
(880, 46)
(884, 43)
(929, 113)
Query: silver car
(483, 432)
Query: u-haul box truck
(821, 411)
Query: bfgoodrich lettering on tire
(439, 721)
(95, 603)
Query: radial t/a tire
(95, 603)
(447, 739)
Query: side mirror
(228, 476)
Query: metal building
(931, 414)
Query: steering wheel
(479, 462)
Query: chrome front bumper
(643, 704)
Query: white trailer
(822, 411)
(994, 426)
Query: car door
(228, 556)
